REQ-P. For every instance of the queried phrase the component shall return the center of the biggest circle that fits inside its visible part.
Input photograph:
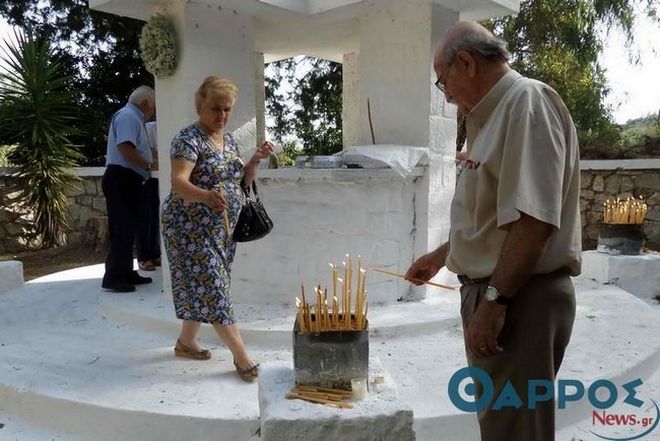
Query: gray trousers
(536, 332)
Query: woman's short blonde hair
(217, 86)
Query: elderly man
(128, 165)
(515, 235)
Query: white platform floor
(77, 363)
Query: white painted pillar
(260, 97)
(395, 42)
(350, 114)
(212, 41)
(395, 71)
(434, 195)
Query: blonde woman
(206, 173)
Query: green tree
(555, 41)
(101, 53)
(311, 111)
(559, 41)
(36, 115)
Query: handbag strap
(246, 190)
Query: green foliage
(101, 53)
(640, 138)
(558, 42)
(37, 114)
(287, 157)
(315, 118)
(5, 150)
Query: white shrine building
(83, 364)
(386, 49)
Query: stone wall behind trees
(87, 220)
(600, 180)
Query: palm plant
(36, 115)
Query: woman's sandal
(181, 350)
(147, 265)
(247, 374)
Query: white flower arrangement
(158, 46)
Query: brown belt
(466, 280)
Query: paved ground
(80, 364)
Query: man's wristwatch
(492, 294)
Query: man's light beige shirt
(523, 157)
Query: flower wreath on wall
(158, 46)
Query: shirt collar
(136, 109)
(481, 112)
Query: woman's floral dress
(199, 249)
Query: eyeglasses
(441, 82)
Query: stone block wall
(15, 222)
(602, 180)
(88, 212)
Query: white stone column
(212, 41)
(350, 114)
(260, 97)
(395, 42)
(442, 143)
(395, 70)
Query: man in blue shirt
(128, 165)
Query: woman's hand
(263, 151)
(215, 200)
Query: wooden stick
(340, 405)
(299, 316)
(363, 315)
(227, 222)
(319, 309)
(302, 387)
(308, 316)
(326, 317)
(306, 324)
(346, 283)
(439, 285)
(335, 313)
(371, 124)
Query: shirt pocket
(466, 189)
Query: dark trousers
(147, 240)
(536, 331)
(121, 187)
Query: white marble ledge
(287, 174)
(336, 174)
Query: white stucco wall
(388, 46)
(395, 42)
(11, 275)
(321, 215)
(638, 275)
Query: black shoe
(135, 279)
(118, 287)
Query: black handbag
(253, 221)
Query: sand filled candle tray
(331, 330)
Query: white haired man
(128, 165)
(515, 236)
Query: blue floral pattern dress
(199, 248)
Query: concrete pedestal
(11, 275)
(380, 416)
(639, 275)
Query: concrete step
(270, 325)
(70, 368)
